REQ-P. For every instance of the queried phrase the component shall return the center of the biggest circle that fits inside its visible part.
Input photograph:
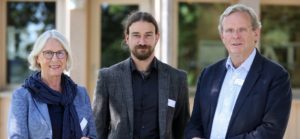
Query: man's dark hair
(139, 16)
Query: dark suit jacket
(261, 110)
(113, 102)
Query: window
(280, 38)
(112, 33)
(199, 41)
(25, 22)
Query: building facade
(82, 22)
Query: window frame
(60, 22)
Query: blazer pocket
(169, 118)
(38, 127)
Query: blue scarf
(43, 93)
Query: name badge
(171, 103)
(238, 82)
(83, 123)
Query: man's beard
(143, 54)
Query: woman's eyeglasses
(59, 54)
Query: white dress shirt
(229, 93)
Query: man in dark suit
(141, 97)
(244, 96)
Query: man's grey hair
(40, 44)
(255, 23)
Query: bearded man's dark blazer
(113, 103)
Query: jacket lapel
(250, 80)
(43, 110)
(216, 88)
(163, 94)
(125, 75)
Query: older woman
(49, 104)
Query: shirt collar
(153, 65)
(245, 65)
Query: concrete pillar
(5, 98)
(166, 15)
(61, 16)
(3, 44)
(78, 40)
(255, 4)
